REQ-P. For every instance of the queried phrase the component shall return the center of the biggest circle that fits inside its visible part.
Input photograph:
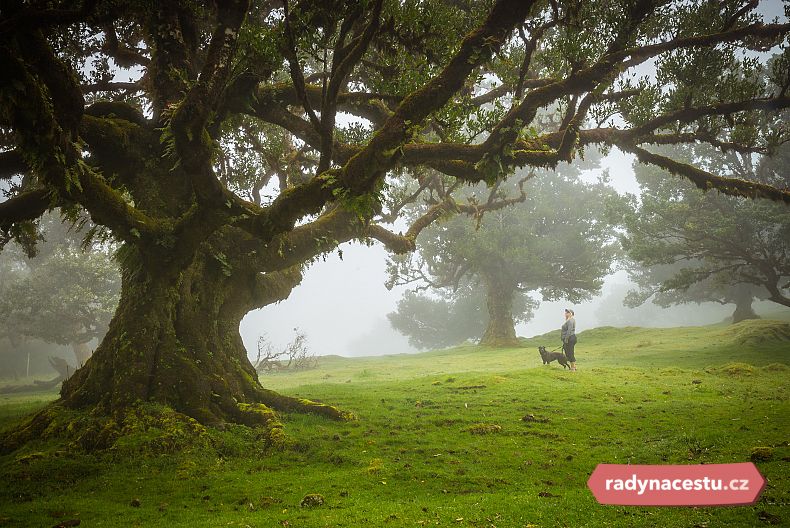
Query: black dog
(548, 357)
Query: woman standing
(568, 335)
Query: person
(568, 335)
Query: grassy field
(440, 441)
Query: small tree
(295, 356)
(66, 294)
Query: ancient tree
(223, 160)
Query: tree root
(140, 428)
(301, 405)
(259, 415)
(30, 429)
(154, 429)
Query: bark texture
(175, 341)
(501, 331)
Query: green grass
(644, 396)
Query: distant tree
(691, 246)
(295, 356)
(66, 294)
(685, 282)
(456, 316)
(612, 310)
(554, 241)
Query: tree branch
(276, 286)
(123, 56)
(297, 75)
(46, 132)
(189, 128)
(364, 169)
(28, 205)
(26, 20)
(707, 181)
(343, 61)
(109, 86)
(688, 115)
(585, 80)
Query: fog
(342, 305)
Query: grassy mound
(757, 332)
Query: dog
(548, 357)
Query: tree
(65, 295)
(690, 246)
(68, 300)
(295, 356)
(159, 161)
(554, 241)
(451, 319)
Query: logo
(676, 485)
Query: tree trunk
(175, 341)
(501, 331)
(156, 351)
(743, 304)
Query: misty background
(342, 305)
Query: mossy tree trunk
(743, 304)
(175, 341)
(500, 331)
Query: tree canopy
(178, 160)
(690, 246)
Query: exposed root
(301, 405)
(154, 428)
(141, 428)
(28, 430)
(258, 414)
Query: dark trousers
(568, 348)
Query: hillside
(756, 342)
(461, 437)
